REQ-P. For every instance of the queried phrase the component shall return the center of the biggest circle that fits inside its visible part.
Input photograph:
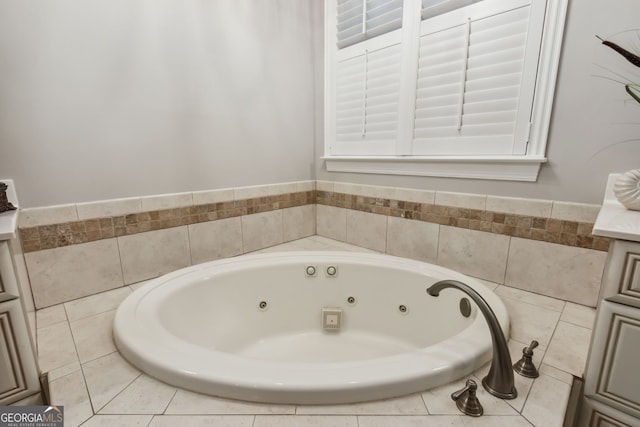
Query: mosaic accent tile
(564, 232)
(552, 230)
(76, 232)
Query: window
(440, 87)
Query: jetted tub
(253, 327)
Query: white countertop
(614, 220)
(8, 224)
(9, 219)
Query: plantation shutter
(367, 93)
(475, 83)
(367, 76)
(359, 20)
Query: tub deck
(98, 387)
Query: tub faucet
(499, 381)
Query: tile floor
(99, 388)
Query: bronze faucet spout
(499, 381)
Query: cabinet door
(595, 414)
(18, 372)
(621, 281)
(613, 377)
(8, 280)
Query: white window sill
(505, 168)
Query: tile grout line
(118, 393)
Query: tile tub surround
(97, 254)
(566, 232)
(555, 255)
(55, 235)
(98, 387)
(449, 229)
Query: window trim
(505, 167)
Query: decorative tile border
(564, 232)
(83, 231)
(569, 233)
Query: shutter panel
(470, 76)
(431, 8)
(367, 94)
(359, 20)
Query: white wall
(112, 98)
(587, 122)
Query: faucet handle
(525, 366)
(467, 401)
(529, 350)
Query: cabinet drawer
(621, 281)
(613, 376)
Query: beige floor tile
(63, 371)
(96, 304)
(93, 336)
(55, 347)
(404, 405)
(202, 421)
(556, 373)
(305, 420)
(50, 316)
(579, 315)
(491, 285)
(187, 402)
(530, 322)
(410, 421)
(118, 420)
(285, 247)
(106, 377)
(70, 391)
(547, 402)
(311, 244)
(531, 298)
(568, 348)
(497, 421)
(143, 396)
(136, 286)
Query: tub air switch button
(310, 270)
(332, 270)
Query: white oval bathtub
(251, 328)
